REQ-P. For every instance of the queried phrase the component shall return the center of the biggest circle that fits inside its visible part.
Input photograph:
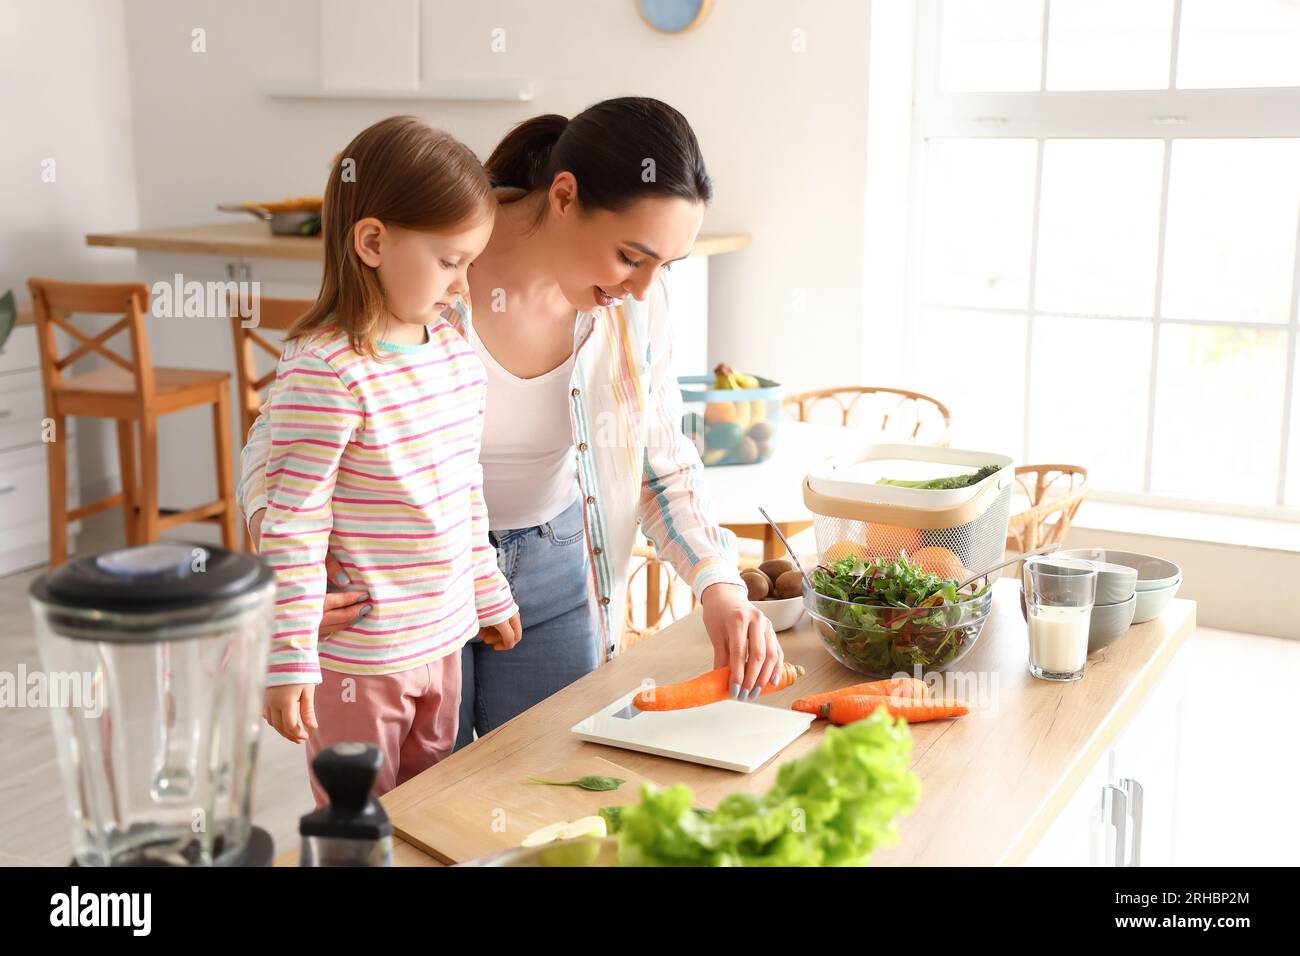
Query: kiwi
(789, 585)
(775, 568)
(758, 583)
(760, 431)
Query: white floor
(1238, 776)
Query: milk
(1058, 638)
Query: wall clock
(673, 16)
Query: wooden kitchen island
(993, 782)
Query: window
(1103, 256)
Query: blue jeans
(547, 569)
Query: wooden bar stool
(273, 314)
(133, 391)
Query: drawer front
(20, 351)
(24, 488)
(21, 414)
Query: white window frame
(1166, 115)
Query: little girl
(375, 421)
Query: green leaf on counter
(586, 783)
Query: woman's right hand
(342, 608)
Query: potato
(775, 568)
(758, 584)
(789, 585)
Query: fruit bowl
(731, 426)
(881, 641)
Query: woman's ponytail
(522, 158)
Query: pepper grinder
(354, 829)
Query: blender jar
(168, 645)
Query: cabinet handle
(6, 412)
(7, 488)
(1133, 791)
(1114, 811)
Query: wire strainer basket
(951, 532)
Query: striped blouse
(376, 462)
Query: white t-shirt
(530, 474)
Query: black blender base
(259, 852)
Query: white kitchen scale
(727, 733)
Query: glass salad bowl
(882, 641)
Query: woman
(571, 324)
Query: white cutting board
(726, 734)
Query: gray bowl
(1110, 622)
(1153, 573)
(1151, 604)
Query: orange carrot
(845, 710)
(894, 687)
(707, 688)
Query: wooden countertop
(250, 239)
(992, 782)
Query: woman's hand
(742, 639)
(288, 708)
(342, 608)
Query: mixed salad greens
(884, 615)
(831, 807)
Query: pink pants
(411, 716)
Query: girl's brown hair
(404, 173)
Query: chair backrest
(273, 314)
(53, 305)
(1053, 491)
(903, 415)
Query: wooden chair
(904, 415)
(273, 314)
(1054, 491)
(132, 391)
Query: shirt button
(576, 392)
(604, 601)
(595, 550)
(591, 500)
(582, 446)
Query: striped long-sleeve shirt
(377, 463)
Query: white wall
(784, 133)
(65, 96)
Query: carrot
(707, 688)
(845, 710)
(894, 687)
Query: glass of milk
(1059, 594)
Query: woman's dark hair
(619, 151)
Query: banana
(725, 378)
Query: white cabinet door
(1124, 813)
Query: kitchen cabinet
(1125, 813)
(24, 488)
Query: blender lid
(169, 575)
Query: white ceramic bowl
(784, 613)
(1151, 604)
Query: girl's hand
(342, 607)
(742, 639)
(288, 708)
(503, 636)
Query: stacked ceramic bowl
(1131, 589)
(1155, 582)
